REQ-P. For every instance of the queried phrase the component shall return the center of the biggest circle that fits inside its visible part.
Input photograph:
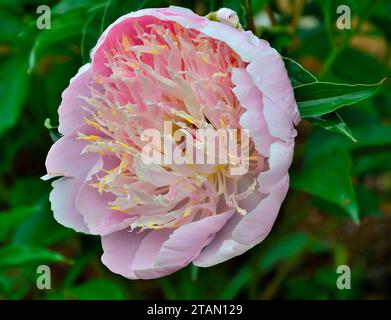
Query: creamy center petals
(164, 72)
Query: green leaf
(369, 136)
(90, 35)
(40, 229)
(379, 161)
(194, 272)
(100, 289)
(13, 90)
(334, 123)
(284, 249)
(10, 26)
(65, 6)
(26, 191)
(234, 286)
(10, 219)
(56, 82)
(13, 285)
(328, 177)
(14, 256)
(319, 98)
(297, 74)
(169, 290)
(368, 202)
(80, 264)
(59, 32)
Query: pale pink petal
(253, 119)
(279, 123)
(242, 233)
(70, 111)
(149, 249)
(256, 225)
(270, 76)
(280, 159)
(119, 249)
(162, 252)
(65, 158)
(62, 199)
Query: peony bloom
(159, 65)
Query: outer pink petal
(62, 199)
(280, 159)
(65, 158)
(242, 233)
(182, 246)
(253, 119)
(265, 120)
(279, 123)
(157, 253)
(70, 112)
(270, 76)
(119, 249)
(254, 227)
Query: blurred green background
(332, 178)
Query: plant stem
(250, 18)
(297, 11)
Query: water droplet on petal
(255, 41)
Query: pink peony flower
(158, 65)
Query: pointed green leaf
(333, 122)
(328, 177)
(297, 74)
(319, 98)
